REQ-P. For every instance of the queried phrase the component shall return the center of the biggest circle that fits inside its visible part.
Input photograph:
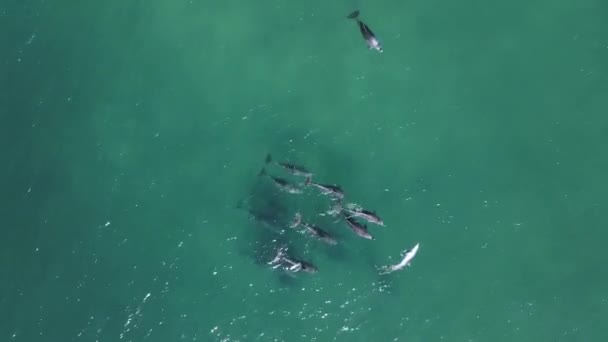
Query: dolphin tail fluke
(268, 159)
(353, 15)
(262, 172)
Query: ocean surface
(132, 134)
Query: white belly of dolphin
(409, 256)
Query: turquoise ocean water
(132, 133)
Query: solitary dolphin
(368, 35)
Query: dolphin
(368, 35)
(358, 228)
(291, 264)
(294, 169)
(300, 265)
(408, 257)
(282, 184)
(368, 215)
(313, 230)
(332, 190)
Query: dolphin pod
(350, 214)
